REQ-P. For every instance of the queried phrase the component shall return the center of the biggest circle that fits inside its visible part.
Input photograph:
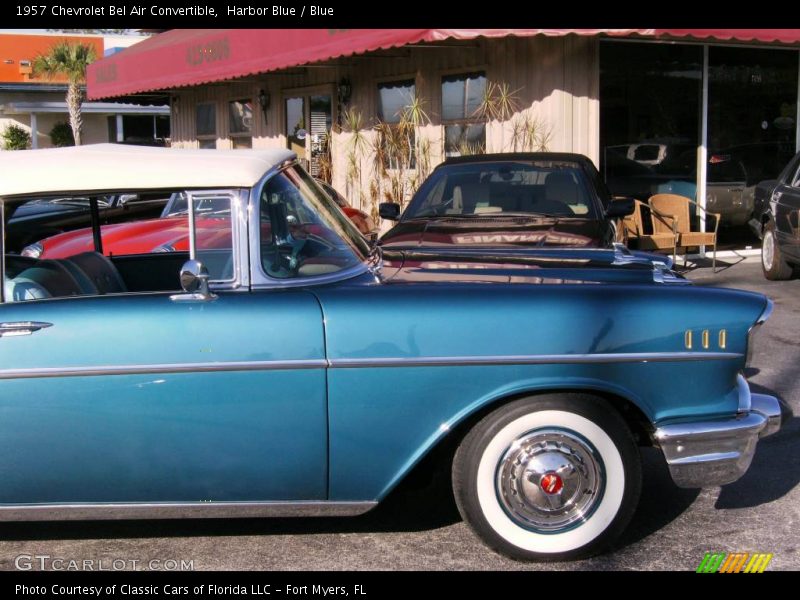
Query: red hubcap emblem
(551, 483)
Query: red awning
(185, 57)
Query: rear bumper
(719, 451)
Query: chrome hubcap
(550, 480)
(768, 250)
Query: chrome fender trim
(180, 510)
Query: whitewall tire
(548, 477)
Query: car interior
(72, 269)
(556, 192)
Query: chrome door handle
(21, 328)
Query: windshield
(536, 188)
(303, 232)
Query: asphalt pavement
(421, 529)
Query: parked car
(362, 220)
(508, 200)
(313, 375)
(776, 220)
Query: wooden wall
(555, 78)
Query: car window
(546, 187)
(796, 180)
(301, 234)
(134, 224)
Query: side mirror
(620, 207)
(389, 211)
(194, 281)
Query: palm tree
(69, 60)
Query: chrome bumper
(716, 452)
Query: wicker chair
(635, 231)
(670, 216)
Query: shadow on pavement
(775, 470)
(661, 501)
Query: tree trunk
(74, 101)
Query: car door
(785, 203)
(137, 398)
(165, 398)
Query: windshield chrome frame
(258, 278)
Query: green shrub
(61, 135)
(16, 138)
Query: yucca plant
(498, 103)
(357, 146)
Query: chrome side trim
(744, 394)
(357, 363)
(180, 510)
(536, 359)
(751, 333)
(276, 365)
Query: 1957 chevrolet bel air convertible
(283, 366)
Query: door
(786, 208)
(146, 396)
(309, 118)
(137, 398)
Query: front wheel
(550, 477)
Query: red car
(169, 233)
(362, 220)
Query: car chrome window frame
(239, 246)
(259, 279)
(239, 199)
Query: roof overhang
(107, 108)
(189, 57)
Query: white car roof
(107, 167)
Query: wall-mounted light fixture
(263, 102)
(344, 91)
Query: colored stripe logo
(734, 562)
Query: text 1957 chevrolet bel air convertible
(294, 370)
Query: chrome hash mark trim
(356, 363)
(537, 359)
(256, 365)
(180, 510)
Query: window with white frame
(396, 131)
(464, 130)
(240, 123)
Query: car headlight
(752, 333)
(33, 250)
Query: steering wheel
(286, 265)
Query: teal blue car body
(330, 393)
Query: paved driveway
(672, 529)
